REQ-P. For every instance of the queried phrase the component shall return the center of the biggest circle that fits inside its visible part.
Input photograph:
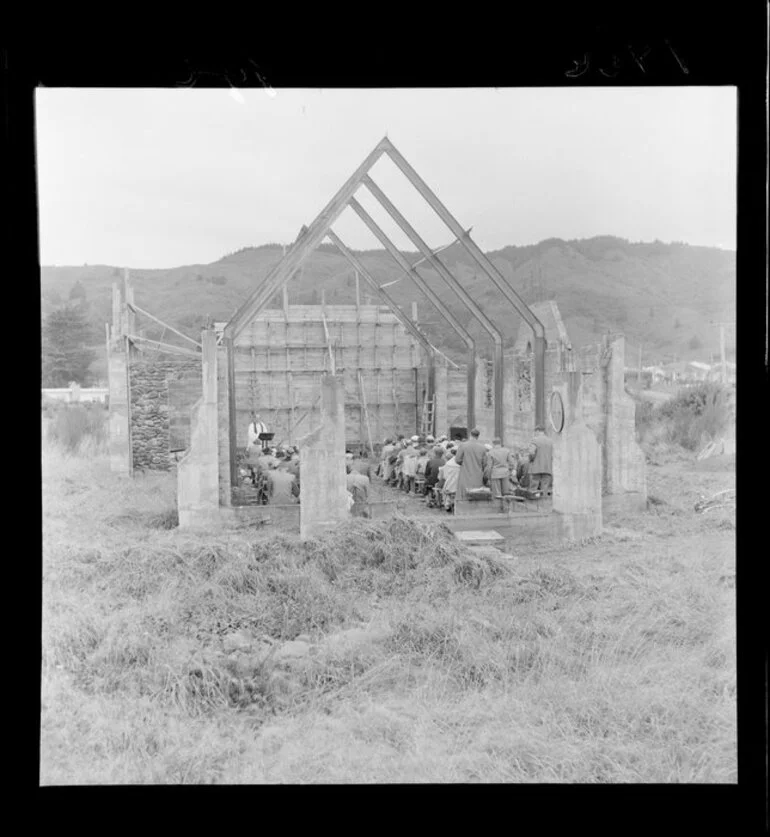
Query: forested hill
(662, 295)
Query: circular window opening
(557, 412)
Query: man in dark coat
(541, 467)
(431, 472)
(470, 457)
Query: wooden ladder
(366, 411)
(428, 415)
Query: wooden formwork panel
(333, 313)
(297, 335)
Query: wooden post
(722, 352)
(117, 324)
(268, 372)
(358, 296)
(640, 367)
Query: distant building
(699, 371)
(74, 393)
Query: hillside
(663, 295)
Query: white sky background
(162, 178)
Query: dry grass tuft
(166, 654)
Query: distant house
(657, 373)
(74, 393)
(698, 371)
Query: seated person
(422, 461)
(358, 487)
(432, 473)
(280, 486)
(361, 465)
(410, 466)
(451, 474)
(388, 450)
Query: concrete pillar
(509, 398)
(119, 417)
(577, 472)
(119, 423)
(198, 470)
(625, 484)
(323, 487)
(223, 425)
(441, 391)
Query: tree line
(67, 335)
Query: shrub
(643, 417)
(72, 425)
(698, 413)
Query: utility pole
(722, 347)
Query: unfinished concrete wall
(485, 399)
(577, 481)
(625, 467)
(281, 356)
(457, 398)
(224, 426)
(323, 488)
(198, 470)
(441, 394)
(151, 408)
(119, 420)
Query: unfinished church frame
(426, 387)
(274, 361)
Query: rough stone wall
(149, 408)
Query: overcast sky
(161, 178)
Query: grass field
(381, 653)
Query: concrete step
(480, 537)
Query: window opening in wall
(489, 383)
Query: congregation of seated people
(440, 470)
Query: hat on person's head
(415, 438)
(348, 455)
(429, 439)
(437, 451)
(488, 446)
(475, 433)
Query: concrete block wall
(198, 501)
(149, 408)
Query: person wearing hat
(449, 476)
(410, 465)
(541, 456)
(399, 470)
(358, 486)
(280, 486)
(470, 457)
(422, 461)
(385, 467)
(432, 474)
(498, 465)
